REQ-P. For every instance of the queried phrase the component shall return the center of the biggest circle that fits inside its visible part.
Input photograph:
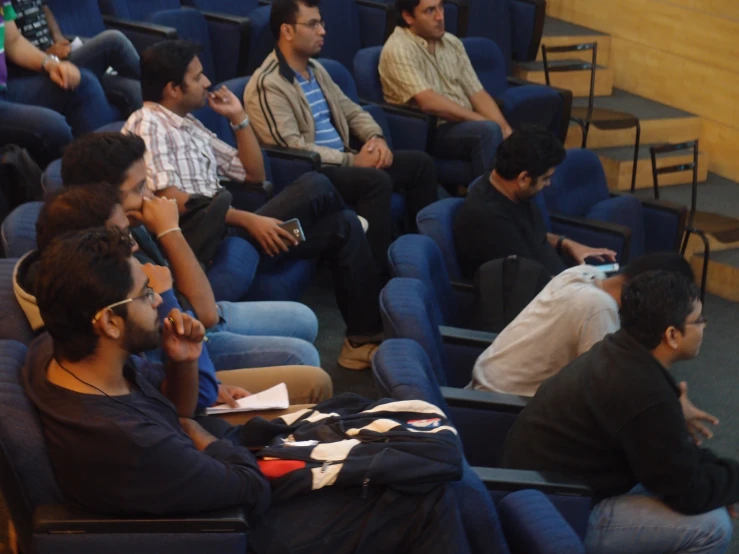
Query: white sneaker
(364, 222)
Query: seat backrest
(419, 257)
(407, 310)
(138, 10)
(343, 34)
(19, 229)
(13, 322)
(489, 64)
(493, 19)
(437, 221)
(367, 75)
(232, 7)
(578, 183)
(26, 477)
(78, 17)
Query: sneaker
(364, 222)
(357, 357)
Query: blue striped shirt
(326, 133)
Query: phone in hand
(607, 268)
(293, 227)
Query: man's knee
(489, 132)
(314, 183)
(716, 530)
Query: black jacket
(613, 418)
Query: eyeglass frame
(702, 320)
(148, 294)
(313, 24)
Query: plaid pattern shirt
(182, 153)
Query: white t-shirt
(565, 319)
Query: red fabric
(274, 469)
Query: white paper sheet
(275, 398)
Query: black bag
(503, 288)
(20, 178)
(204, 224)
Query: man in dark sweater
(499, 216)
(613, 419)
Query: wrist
(49, 61)
(239, 120)
(168, 232)
(562, 244)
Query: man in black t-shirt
(500, 217)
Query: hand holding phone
(293, 227)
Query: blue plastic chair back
(78, 17)
(13, 322)
(437, 221)
(489, 64)
(19, 229)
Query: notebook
(275, 398)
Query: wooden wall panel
(728, 9)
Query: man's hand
(694, 417)
(200, 437)
(60, 49)
(158, 214)
(225, 103)
(229, 394)
(380, 146)
(64, 74)
(506, 130)
(580, 252)
(160, 277)
(267, 232)
(182, 337)
(731, 508)
(366, 157)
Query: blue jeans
(112, 49)
(639, 522)
(263, 334)
(475, 141)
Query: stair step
(576, 81)
(659, 123)
(558, 32)
(618, 162)
(723, 272)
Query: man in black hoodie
(613, 419)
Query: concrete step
(558, 32)
(659, 123)
(723, 272)
(576, 81)
(618, 162)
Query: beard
(140, 339)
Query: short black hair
(532, 149)
(286, 11)
(101, 158)
(405, 6)
(163, 63)
(70, 294)
(654, 301)
(667, 261)
(74, 209)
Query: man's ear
(407, 17)
(171, 90)
(109, 325)
(524, 180)
(287, 31)
(671, 337)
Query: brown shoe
(357, 358)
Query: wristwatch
(244, 123)
(47, 59)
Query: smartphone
(293, 227)
(607, 268)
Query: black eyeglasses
(313, 24)
(149, 295)
(702, 320)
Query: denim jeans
(263, 334)
(112, 49)
(476, 141)
(639, 522)
(85, 108)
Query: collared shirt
(326, 133)
(32, 22)
(7, 13)
(182, 153)
(407, 68)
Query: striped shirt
(407, 68)
(182, 153)
(7, 13)
(326, 133)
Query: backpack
(349, 440)
(503, 288)
(20, 178)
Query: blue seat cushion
(286, 281)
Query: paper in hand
(275, 398)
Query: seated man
(422, 65)
(109, 49)
(183, 158)
(292, 101)
(241, 334)
(613, 420)
(499, 218)
(29, 103)
(106, 413)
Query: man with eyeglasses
(613, 420)
(293, 102)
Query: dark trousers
(333, 233)
(369, 192)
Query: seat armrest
(602, 226)
(499, 479)
(484, 400)
(466, 337)
(581, 229)
(463, 9)
(313, 158)
(149, 28)
(59, 519)
(463, 287)
(407, 111)
(226, 18)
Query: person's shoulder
(269, 68)
(452, 40)
(398, 41)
